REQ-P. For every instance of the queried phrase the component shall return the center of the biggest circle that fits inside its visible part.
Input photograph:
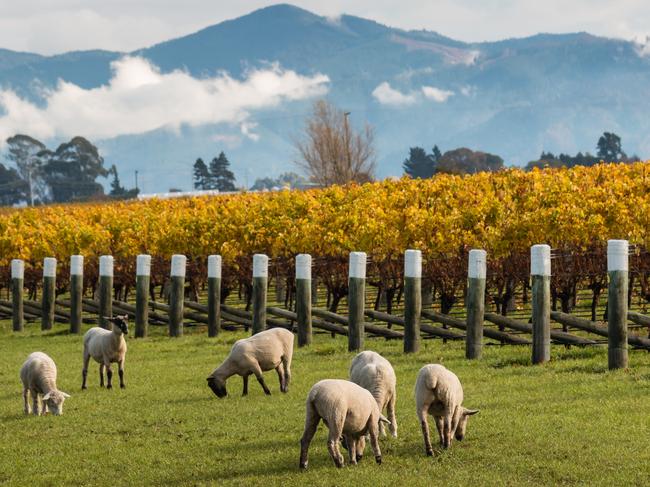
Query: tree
(331, 152)
(609, 148)
(13, 189)
(116, 188)
(71, 171)
(201, 175)
(285, 180)
(466, 161)
(24, 151)
(420, 164)
(222, 177)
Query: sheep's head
(462, 422)
(54, 401)
(120, 321)
(218, 386)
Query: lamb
(106, 347)
(374, 373)
(269, 349)
(438, 391)
(38, 375)
(348, 410)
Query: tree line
(66, 174)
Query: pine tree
(202, 177)
(116, 188)
(224, 179)
(420, 164)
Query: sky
(51, 27)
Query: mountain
(514, 97)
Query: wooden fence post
(105, 290)
(76, 292)
(412, 299)
(617, 270)
(303, 298)
(540, 270)
(177, 295)
(260, 282)
(17, 288)
(49, 288)
(214, 295)
(356, 300)
(142, 281)
(475, 303)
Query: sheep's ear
(65, 394)
(383, 419)
(47, 396)
(109, 318)
(471, 412)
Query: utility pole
(136, 179)
(347, 145)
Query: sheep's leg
(373, 429)
(352, 449)
(439, 427)
(287, 372)
(245, 379)
(391, 416)
(26, 400)
(260, 379)
(109, 376)
(101, 375)
(84, 371)
(35, 403)
(422, 414)
(280, 370)
(120, 371)
(311, 424)
(336, 430)
(446, 428)
(361, 446)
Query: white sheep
(38, 375)
(348, 410)
(106, 347)
(269, 349)
(374, 373)
(438, 392)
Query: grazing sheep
(106, 347)
(439, 393)
(374, 373)
(38, 375)
(269, 349)
(348, 410)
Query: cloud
(139, 98)
(386, 95)
(410, 73)
(642, 44)
(436, 94)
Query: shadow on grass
(512, 362)
(584, 369)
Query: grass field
(569, 422)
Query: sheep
(439, 393)
(269, 349)
(374, 373)
(38, 375)
(106, 347)
(348, 410)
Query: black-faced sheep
(106, 347)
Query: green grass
(568, 422)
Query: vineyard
(574, 210)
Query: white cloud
(139, 98)
(436, 94)
(410, 73)
(468, 90)
(643, 46)
(386, 95)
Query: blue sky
(50, 27)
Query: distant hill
(514, 97)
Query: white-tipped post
(49, 290)
(303, 299)
(142, 282)
(17, 285)
(76, 292)
(356, 300)
(214, 295)
(476, 271)
(617, 271)
(260, 285)
(540, 270)
(177, 294)
(412, 299)
(105, 290)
